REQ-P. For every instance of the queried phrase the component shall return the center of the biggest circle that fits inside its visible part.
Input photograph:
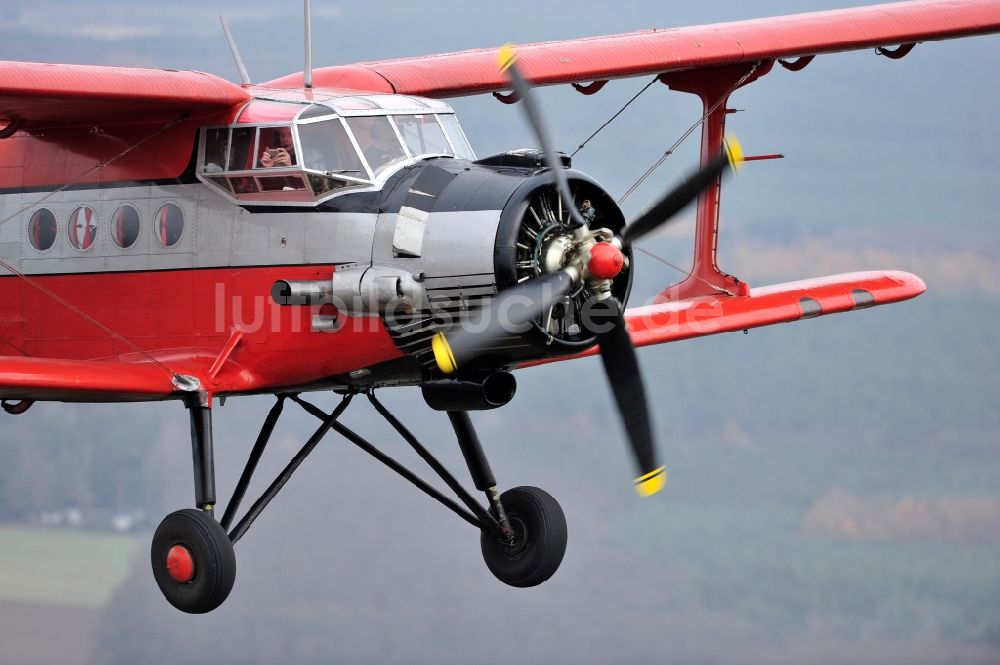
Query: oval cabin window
(82, 228)
(42, 229)
(169, 225)
(125, 226)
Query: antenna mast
(307, 73)
(235, 50)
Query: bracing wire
(683, 271)
(612, 118)
(686, 134)
(62, 301)
(97, 166)
(76, 310)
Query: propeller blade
(622, 369)
(511, 311)
(506, 61)
(663, 210)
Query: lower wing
(780, 303)
(84, 380)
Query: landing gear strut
(192, 556)
(523, 530)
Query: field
(54, 585)
(741, 532)
(62, 567)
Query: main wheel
(539, 538)
(193, 561)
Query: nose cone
(606, 261)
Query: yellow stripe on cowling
(734, 152)
(443, 355)
(652, 482)
(506, 57)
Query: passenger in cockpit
(281, 151)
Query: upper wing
(35, 94)
(82, 380)
(660, 51)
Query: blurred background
(834, 488)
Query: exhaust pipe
(285, 292)
(493, 391)
(361, 290)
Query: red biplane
(172, 235)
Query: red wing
(659, 51)
(44, 94)
(82, 380)
(781, 303)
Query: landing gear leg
(533, 535)
(479, 468)
(192, 557)
(203, 455)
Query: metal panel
(216, 233)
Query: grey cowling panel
(462, 203)
(457, 206)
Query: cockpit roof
(286, 110)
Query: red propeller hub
(180, 564)
(606, 261)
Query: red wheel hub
(180, 564)
(606, 261)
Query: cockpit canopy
(297, 153)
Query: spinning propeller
(594, 258)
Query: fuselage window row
(124, 227)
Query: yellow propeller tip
(652, 482)
(734, 152)
(443, 355)
(506, 57)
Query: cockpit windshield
(423, 135)
(293, 152)
(327, 147)
(377, 140)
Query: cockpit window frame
(354, 143)
(315, 182)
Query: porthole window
(169, 225)
(42, 229)
(82, 228)
(125, 226)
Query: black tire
(539, 534)
(211, 551)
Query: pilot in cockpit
(377, 141)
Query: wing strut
(713, 87)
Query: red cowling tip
(606, 261)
